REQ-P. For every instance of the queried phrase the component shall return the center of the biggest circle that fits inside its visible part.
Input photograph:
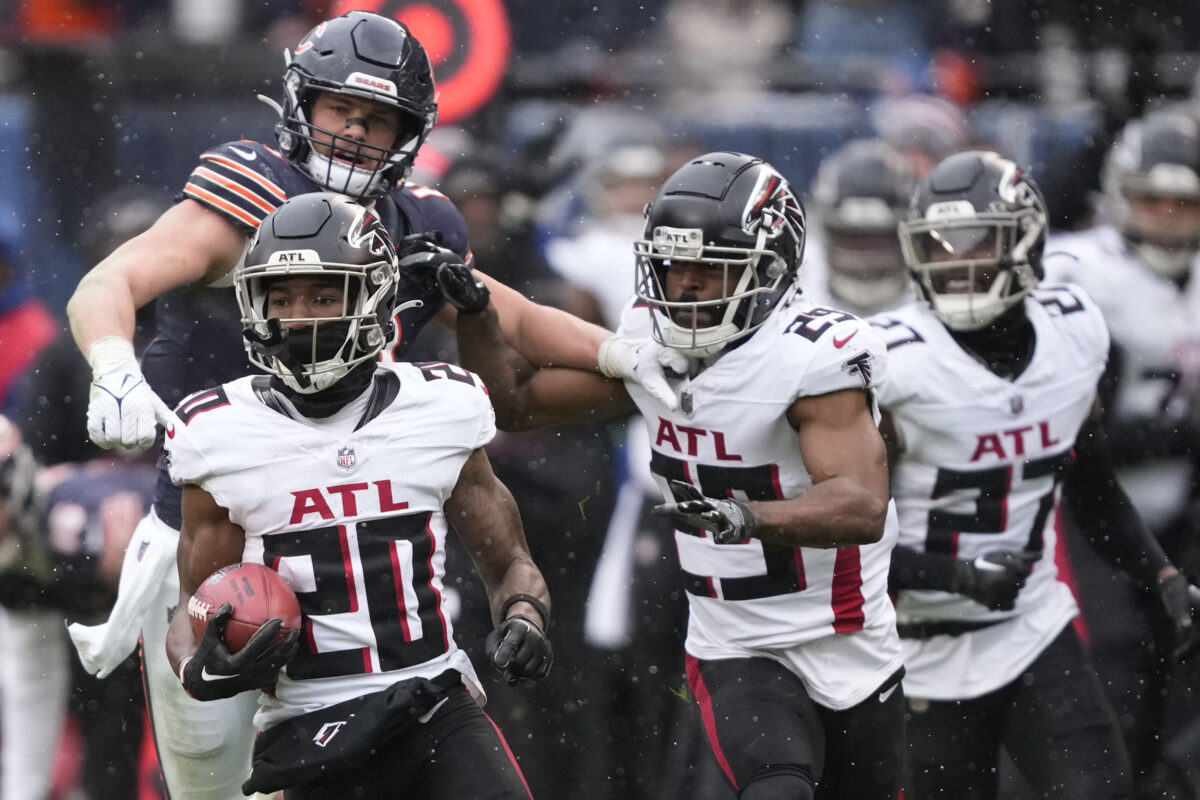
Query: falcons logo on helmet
(773, 208)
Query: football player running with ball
(352, 507)
(992, 421)
(358, 102)
(774, 472)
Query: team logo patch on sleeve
(860, 365)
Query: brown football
(257, 593)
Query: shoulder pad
(241, 181)
(422, 209)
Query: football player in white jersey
(1140, 265)
(775, 475)
(350, 501)
(991, 415)
(859, 195)
(358, 101)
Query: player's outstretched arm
(187, 243)
(527, 397)
(485, 515)
(543, 336)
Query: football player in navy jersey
(351, 502)
(991, 415)
(773, 472)
(358, 102)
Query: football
(257, 593)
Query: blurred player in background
(1140, 263)
(854, 263)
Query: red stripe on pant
(704, 700)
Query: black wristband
(538, 605)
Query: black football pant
(457, 754)
(760, 722)
(1053, 720)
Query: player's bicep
(839, 439)
(208, 539)
(188, 243)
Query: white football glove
(121, 406)
(642, 361)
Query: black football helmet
(326, 236)
(860, 194)
(369, 56)
(729, 210)
(974, 238)
(1157, 157)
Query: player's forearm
(835, 513)
(179, 634)
(101, 306)
(521, 576)
(917, 569)
(1105, 515)
(544, 335)
(484, 350)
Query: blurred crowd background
(101, 94)
(559, 121)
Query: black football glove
(728, 520)
(443, 271)
(520, 650)
(1177, 597)
(994, 579)
(213, 672)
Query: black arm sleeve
(1104, 514)
(916, 569)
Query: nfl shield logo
(1016, 404)
(345, 457)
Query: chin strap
(274, 345)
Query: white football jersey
(1156, 326)
(824, 611)
(353, 521)
(980, 469)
